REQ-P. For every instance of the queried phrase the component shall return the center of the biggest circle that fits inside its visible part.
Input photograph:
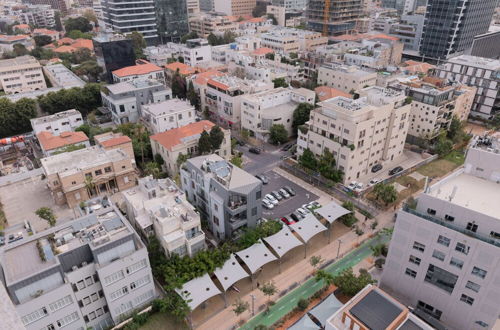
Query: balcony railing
(446, 224)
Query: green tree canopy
(216, 137)
(138, 43)
(78, 23)
(385, 193)
(153, 169)
(308, 160)
(350, 284)
(301, 115)
(90, 69)
(42, 40)
(269, 289)
(190, 35)
(323, 275)
(278, 134)
(204, 143)
(83, 99)
(348, 219)
(178, 86)
(47, 214)
(327, 167)
(280, 82)
(15, 116)
(259, 10)
(81, 55)
(20, 50)
(77, 34)
(193, 97)
(240, 306)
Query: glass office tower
(172, 19)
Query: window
(428, 309)
(140, 282)
(107, 169)
(94, 297)
(98, 172)
(415, 260)
(114, 277)
(86, 301)
(473, 286)
(67, 320)
(254, 211)
(410, 272)
(88, 175)
(456, 262)
(462, 248)
(99, 312)
(438, 255)
(118, 293)
(137, 266)
(479, 272)
(472, 226)
(418, 246)
(80, 285)
(431, 211)
(101, 293)
(88, 281)
(449, 217)
(441, 278)
(58, 304)
(443, 240)
(466, 299)
(481, 323)
(34, 316)
(258, 194)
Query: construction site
(334, 17)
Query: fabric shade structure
(256, 256)
(305, 323)
(198, 290)
(230, 273)
(308, 227)
(325, 309)
(332, 211)
(283, 241)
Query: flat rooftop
(56, 117)
(63, 76)
(376, 311)
(21, 60)
(130, 86)
(475, 61)
(167, 107)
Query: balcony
(447, 224)
(236, 223)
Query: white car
(373, 181)
(284, 193)
(359, 186)
(303, 211)
(352, 185)
(271, 198)
(267, 204)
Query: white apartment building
(345, 78)
(199, 81)
(235, 7)
(290, 4)
(359, 133)
(194, 51)
(159, 207)
(193, 8)
(204, 24)
(21, 74)
(223, 97)
(260, 111)
(89, 272)
(65, 121)
(290, 40)
(61, 76)
(163, 116)
(184, 141)
(143, 70)
(444, 256)
(480, 72)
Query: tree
(280, 82)
(350, 284)
(57, 19)
(81, 55)
(228, 37)
(204, 143)
(42, 53)
(269, 289)
(178, 86)
(240, 306)
(302, 304)
(385, 192)
(237, 161)
(47, 214)
(42, 40)
(15, 116)
(212, 39)
(78, 23)
(301, 115)
(77, 34)
(316, 261)
(456, 131)
(443, 146)
(273, 18)
(278, 134)
(348, 219)
(140, 140)
(308, 160)
(259, 10)
(326, 277)
(138, 43)
(181, 159)
(90, 69)
(153, 169)
(192, 96)
(90, 16)
(327, 167)
(20, 50)
(379, 250)
(216, 137)
(174, 305)
(159, 159)
(190, 35)
(84, 99)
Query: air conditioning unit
(74, 268)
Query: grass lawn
(443, 166)
(162, 321)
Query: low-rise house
(64, 121)
(184, 140)
(23, 28)
(53, 144)
(345, 78)
(199, 81)
(325, 93)
(61, 76)
(163, 116)
(53, 34)
(159, 207)
(184, 71)
(143, 70)
(194, 51)
(7, 42)
(289, 40)
(21, 74)
(111, 140)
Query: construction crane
(326, 16)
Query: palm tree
(90, 185)
(325, 276)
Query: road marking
(281, 307)
(293, 299)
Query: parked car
(271, 198)
(314, 204)
(286, 147)
(376, 168)
(276, 195)
(373, 181)
(264, 179)
(289, 190)
(288, 220)
(302, 211)
(284, 193)
(352, 185)
(395, 170)
(240, 142)
(359, 186)
(296, 216)
(267, 204)
(254, 150)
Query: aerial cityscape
(250, 164)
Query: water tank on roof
(233, 46)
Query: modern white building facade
(165, 115)
(65, 121)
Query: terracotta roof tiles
(51, 142)
(138, 69)
(173, 137)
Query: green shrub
(302, 304)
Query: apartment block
(163, 116)
(229, 197)
(21, 74)
(194, 51)
(111, 140)
(235, 7)
(260, 111)
(409, 30)
(373, 53)
(290, 40)
(143, 70)
(359, 133)
(61, 76)
(124, 100)
(204, 24)
(184, 141)
(53, 144)
(200, 81)
(64, 121)
(159, 207)
(223, 97)
(345, 78)
(341, 16)
(74, 177)
(42, 16)
(444, 256)
(482, 73)
(290, 4)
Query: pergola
(198, 290)
(256, 256)
(307, 228)
(282, 242)
(326, 308)
(331, 212)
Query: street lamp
(253, 304)
(338, 250)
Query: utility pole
(338, 250)
(253, 304)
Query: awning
(305, 323)
(198, 290)
(308, 227)
(230, 273)
(256, 256)
(332, 211)
(283, 241)
(326, 309)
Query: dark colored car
(277, 195)
(290, 190)
(287, 147)
(287, 220)
(395, 170)
(376, 168)
(296, 216)
(240, 142)
(254, 150)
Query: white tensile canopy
(332, 211)
(305, 323)
(283, 241)
(256, 256)
(198, 290)
(230, 273)
(308, 227)
(326, 309)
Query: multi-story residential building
(125, 99)
(41, 16)
(486, 44)
(260, 111)
(184, 140)
(229, 197)
(74, 177)
(65, 121)
(166, 115)
(289, 40)
(193, 8)
(54, 4)
(182, 69)
(61, 76)
(206, 24)
(341, 16)
(172, 19)
(235, 7)
(7, 42)
(345, 78)
(408, 30)
(402, 6)
(290, 4)
(160, 54)
(207, 5)
(194, 51)
(482, 73)
(286, 17)
(223, 97)
(464, 20)
(359, 133)
(143, 70)
(434, 104)
(113, 52)
(200, 81)
(444, 255)
(159, 207)
(91, 272)
(21, 74)
(52, 144)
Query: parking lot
(289, 205)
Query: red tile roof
(171, 138)
(65, 40)
(83, 43)
(218, 84)
(416, 67)
(65, 49)
(184, 69)
(325, 93)
(263, 51)
(13, 38)
(115, 141)
(138, 69)
(21, 27)
(45, 31)
(51, 142)
(202, 78)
